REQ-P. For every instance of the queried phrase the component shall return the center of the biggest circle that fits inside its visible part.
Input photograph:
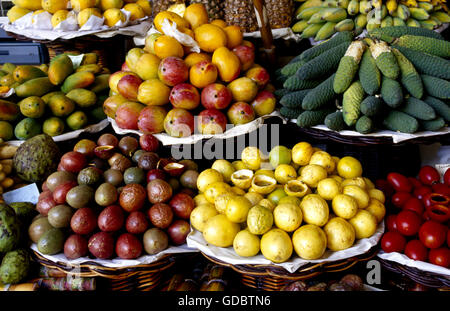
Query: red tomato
(415, 182)
(428, 175)
(384, 186)
(441, 189)
(440, 257)
(415, 250)
(432, 234)
(447, 177)
(400, 198)
(415, 205)
(408, 222)
(390, 223)
(393, 241)
(420, 192)
(399, 182)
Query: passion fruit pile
(115, 197)
(302, 199)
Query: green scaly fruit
(351, 103)
(348, 66)
(432, 46)
(325, 31)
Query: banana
(308, 4)
(316, 18)
(426, 6)
(311, 30)
(403, 12)
(376, 3)
(334, 15)
(441, 16)
(387, 22)
(308, 12)
(300, 26)
(378, 15)
(438, 22)
(325, 31)
(429, 24)
(372, 24)
(353, 7)
(391, 6)
(411, 22)
(384, 11)
(410, 3)
(419, 14)
(343, 3)
(345, 25)
(425, 1)
(331, 3)
(365, 6)
(437, 7)
(398, 21)
(361, 21)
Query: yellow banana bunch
(376, 3)
(391, 6)
(410, 3)
(365, 6)
(353, 7)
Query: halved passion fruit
(263, 184)
(296, 188)
(242, 178)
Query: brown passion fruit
(89, 176)
(160, 215)
(86, 147)
(189, 164)
(159, 191)
(114, 177)
(189, 179)
(128, 145)
(104, 152)
(108, 139)
(57, 178)
(155, 241)
(132, 197)
(38, 227)
(106, 194)
(80, 196)
(148, 161)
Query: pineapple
(163, 5)
(213, 7)
(241, 13)
(279, 12)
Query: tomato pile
(420, 229)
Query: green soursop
(9, 229)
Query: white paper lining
(195, 240)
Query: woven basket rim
(368, 140)
(92, 269)
(306, 271)
(427, 278)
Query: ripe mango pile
(319, 19)
(114, 12)
(396, 79)
(54, 98)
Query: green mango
(27, 128)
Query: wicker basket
(426, 278)
(274, 278)
(144, 277)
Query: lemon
(360, 195)
(365, 224)
(287, 217)
(221, 201)
(254, 197)
(237, 209)
(246, 244)
(242, 178)
(315, 210)
(377, 194)
(344, 206)
(219, 231)
(237, 191)
(112, 16)
(208, 177)
(238, 165)
(225, 168)
(215, 189)
(276, 246)
(377, 209)
(279, 155)
(340, 234)
(302, 153)
(290, 199)
(310, 242)
(357, 181)
(311, 174)
(267, 204)
(323, 159)
(276, 195)
(285, 173)
(251, 156)
(349, 167)
(259, 219)
(200, 199)
(328, 188)
(200, 215)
